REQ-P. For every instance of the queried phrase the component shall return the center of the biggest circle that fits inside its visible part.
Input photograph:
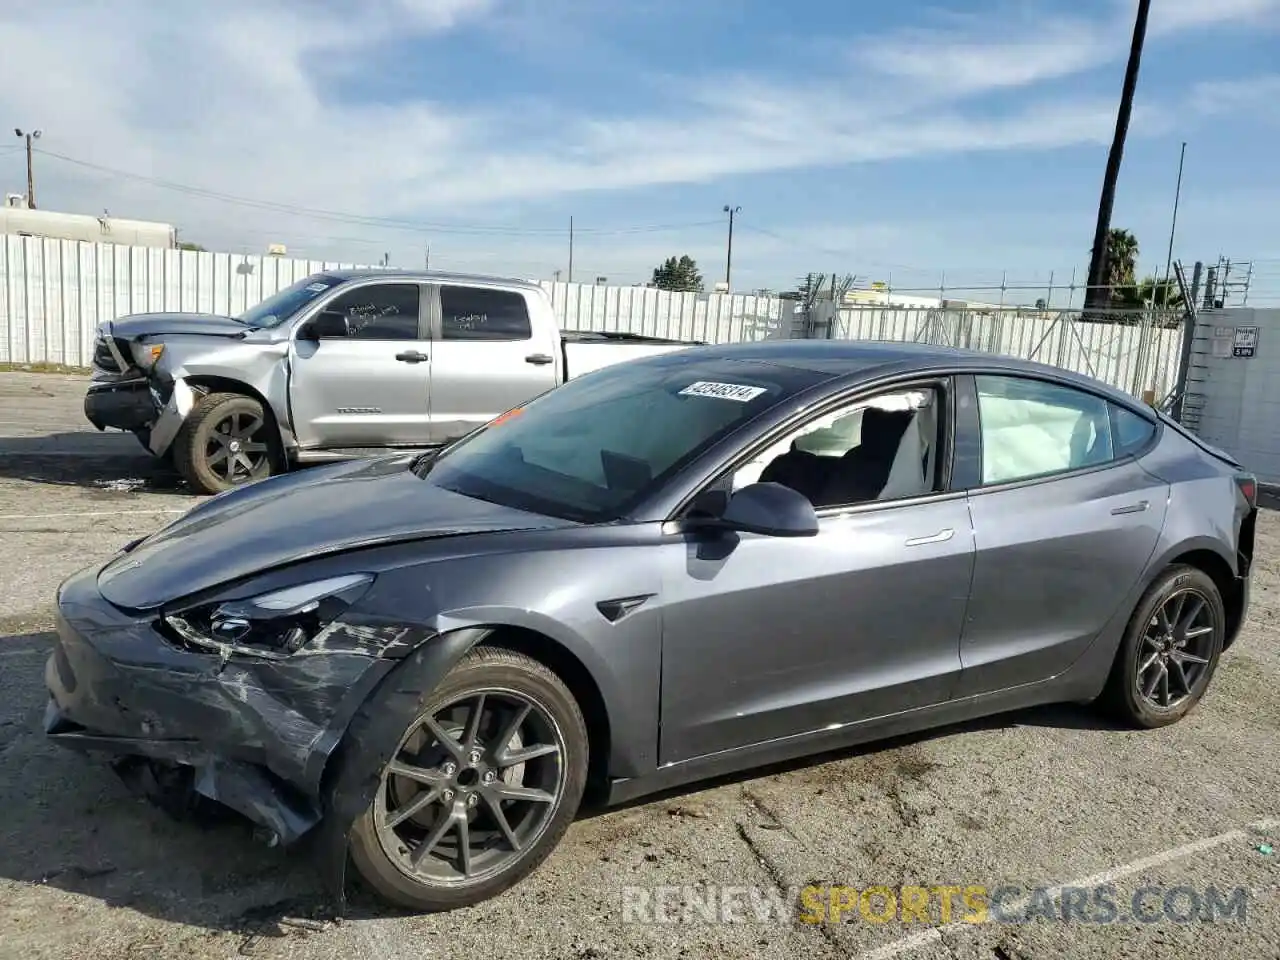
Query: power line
(421, 226)
(827, 251)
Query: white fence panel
(53, 293)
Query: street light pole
(1173, 227)
(1095, 291)
(728, 262)
(31, 177)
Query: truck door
(484, 357)
(373, 387)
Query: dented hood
(296, 516)
(141, 325)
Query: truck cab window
(480, 313)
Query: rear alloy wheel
(480, 789)
(226, 442)
(1170, 650)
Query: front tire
(226, 442)
(482, 787)
(1170, 650)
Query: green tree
(188, 245)
(1122, 265)
(1162, 294)
(680, 275)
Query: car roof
(856, 360)
(429, 276)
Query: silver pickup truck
(342, 363)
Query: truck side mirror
(328, 325)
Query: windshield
(282, 305)
(595, 447)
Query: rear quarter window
(1130, 431)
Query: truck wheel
(481, 788)
(226, 442)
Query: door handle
(1131, 508)
(539, 359)
(411, 356)
(941, 536)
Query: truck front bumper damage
(141, 408)
(251, 735)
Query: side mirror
(328, 325)
(772, 510)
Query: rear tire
(507, 797)
(227, 441)
(1170, 650)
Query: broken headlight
(273, 625)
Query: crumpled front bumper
(138, 406)
(252, 735)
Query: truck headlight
(273, 625)
(146, 357)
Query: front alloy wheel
(481, 787)
(471, 787)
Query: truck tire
(226, 442)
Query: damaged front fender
(355, 769)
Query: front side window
(879, 449)
(380, 311)
(594, 447)
(1031, 428)
(480, 313)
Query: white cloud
(229, 97)
(1257, 97)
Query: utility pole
(1095, 291)
(728, 262)
(426, 263)
(571, 250)
(1173, 227)
(31, 177)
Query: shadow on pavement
(113, 463)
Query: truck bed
(588, 350)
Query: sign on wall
(1220, 342)
(1245, 342)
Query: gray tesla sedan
(669, 569)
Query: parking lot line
(933, 935)
(90, 513)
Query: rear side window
(1130, 431)
(1031, 428)
(478, 313)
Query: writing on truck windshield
(282, 305)
(597, 446)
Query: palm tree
(1122, 264)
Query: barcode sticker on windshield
(725, 391)
(317, 287)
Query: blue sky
(893, 141)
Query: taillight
(1248, 485)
